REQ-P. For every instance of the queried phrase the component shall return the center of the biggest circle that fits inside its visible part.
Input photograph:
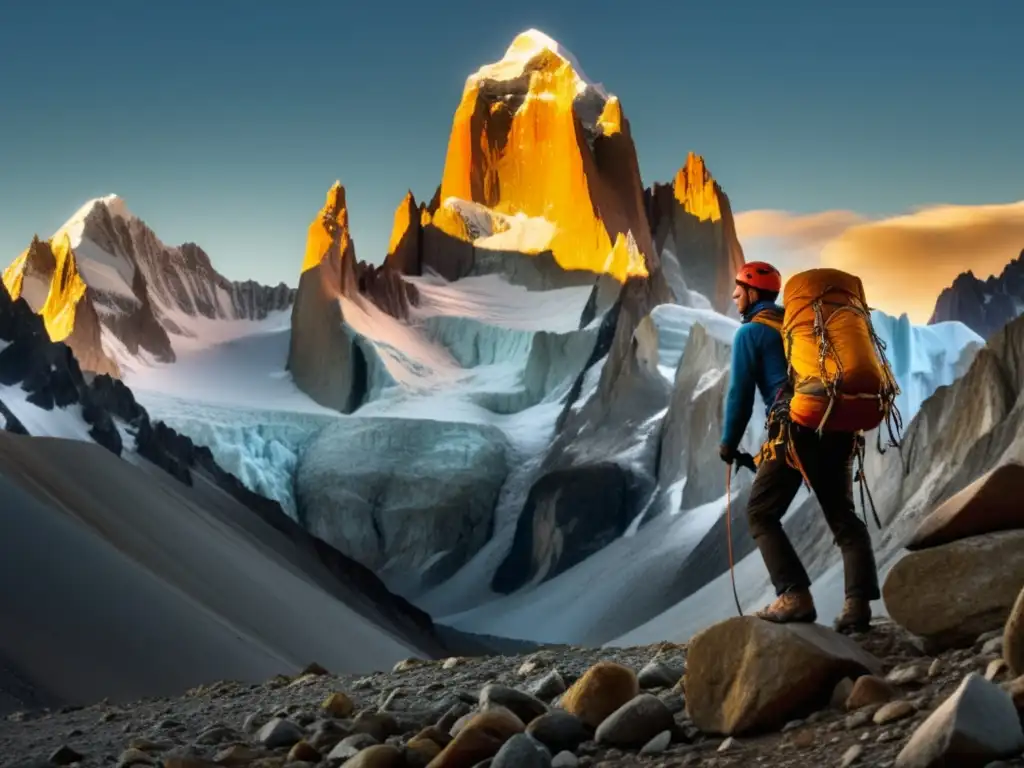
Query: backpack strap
(770, 317)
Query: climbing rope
(728, 534)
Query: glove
(727, 454)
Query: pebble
(893, 711)
(907, 675)
(851, 756)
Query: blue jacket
(758, 360)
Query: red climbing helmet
(760, 275)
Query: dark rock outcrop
(984, 306)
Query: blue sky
(224, 122)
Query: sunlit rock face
(695, 235)
(540, 160)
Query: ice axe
(741, 459)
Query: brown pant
(828, 463)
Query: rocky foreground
(799, 697)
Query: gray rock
(658, 744)
(351, 746)
(65, 755)
(409, 488)
(565, 759)
(456, 712)
(905, 675)
(977, 724)
(673, 701)
(995, 645)
(549, 686)
(859, 719)
(657, 674)
(521, 752)
(253, 722)
(523, 705)
(559, 731)
(217, 734)
(279, 733)
(635, 723)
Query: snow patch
(522, 51)
(68, 422)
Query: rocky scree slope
(627, 706)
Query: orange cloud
(905, 261)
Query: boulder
(974, 726)
(988, 505)
(952, 593)
(658, 674)
(745, 674)
(279, 733)
(401, 495)
(522, 705)
(601, 690)
(521, 752)
(635, 723)
(1013, 637)
(559, 731)
(480, 739)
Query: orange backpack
(840, 376)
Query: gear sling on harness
(839, 377)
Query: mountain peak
(335, 203)
(114, 204)
(523, 55)
(579, 200)
(329, 229)
(403, 248)
(697, 191)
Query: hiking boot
(794, 606)
(855, 616)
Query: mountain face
(113, 291)
(540, 159)
(695, 235)
(985, 306)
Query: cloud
(905, 261)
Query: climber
(759, 361)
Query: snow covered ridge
(152, 301)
